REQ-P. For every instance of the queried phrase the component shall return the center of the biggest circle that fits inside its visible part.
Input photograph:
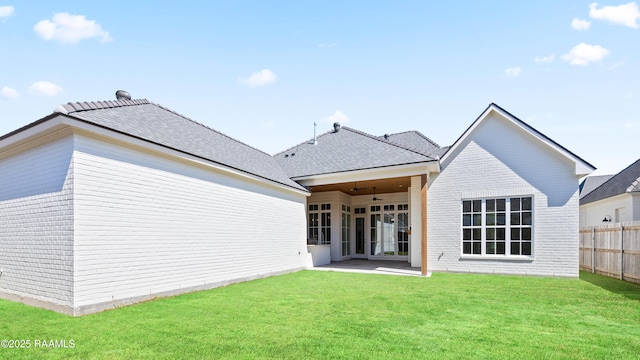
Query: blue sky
(264, 71)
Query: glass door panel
(360, 236)
(403, 233)
(376, 235)
(389, 236)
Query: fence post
(593, 250)
(621, 252)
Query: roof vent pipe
(336, 127)
(315, 140)
(386, 136)
(122, 95)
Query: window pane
(501, 219)
(466, 234)
(526, 218)
(491, 205)
(477, 234)
(477, 219)
(500, 204)
(491, 234)
(515, 248)
(515, 204)
(515, 234)
(526, 248)
(477, 205)
(466, 248)
(491, 219)
(491, 248)
(515, 218)
(466, 206)
(500, 248)
(466, 220)
(477, 248)
(526, 234)
(500, 234)
(526, 203)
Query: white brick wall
(147, 224)
(36, 223)
(499, 159)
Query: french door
(389, 225)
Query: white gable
(582, 168)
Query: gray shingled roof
(345, 150)
(626, 181)
(591, 183)
(416, 141)
(154, 123)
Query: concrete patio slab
(363, 266)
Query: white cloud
(578, 24)
(337, 116)
(583, 54)
(260, 78)
(45, 88)
(545, 59)
(626, 14)
(6, 11)
(513, 71)
(70, 29)
(327, 45)
(9, 93)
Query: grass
(331, 315)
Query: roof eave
(401, 170)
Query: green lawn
(331, 315)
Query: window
(319, 224)
(346, 230)
(521, 226)
(500, 226)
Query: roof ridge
(385, 142)
(73, 107)
(310, 141)
(419, 133)
(207, 127)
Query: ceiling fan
(356, 188)
(374, 195)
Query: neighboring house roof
(582, 166)
(590, 183)
(626, 181)
(347, 149)
(151, 122)
(416, 141)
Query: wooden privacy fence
(612, 250)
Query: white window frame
(322, 224)
(469, 225)
(345, 238)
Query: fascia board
(370, 174)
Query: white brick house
(109, 203)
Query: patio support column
(423, 220)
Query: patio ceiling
(383, 186)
